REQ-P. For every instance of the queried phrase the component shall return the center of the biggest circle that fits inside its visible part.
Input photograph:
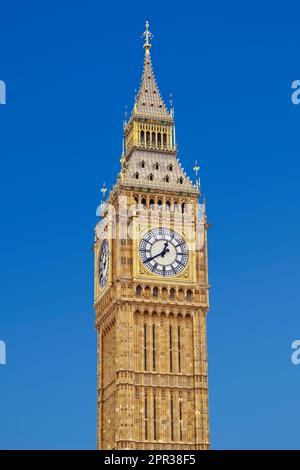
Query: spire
(149, 101)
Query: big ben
(151, 289)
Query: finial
(122, 159)
(196, 168)
(103, 191)
(148, 35)
(171, 105)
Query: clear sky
(70, 68)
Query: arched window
(172, 294)
(176, 206)
(151, 177)
(152, 203)
(159, 139)
(137, 176)
(156, 166)
(155, 292)
(168, 206)
(180, 181)
(143, 164)
(138, 291)
(142, 137)
(189, 295)
(159, 203)
(164, 140)
(147, 291)
(148, 138)
(144, 203)
(153, 138)
(170, 167)
(167, 179)
(183, 207)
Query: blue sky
(70, 69)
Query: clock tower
(151, 290)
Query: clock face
(103, 263)
(163, 252)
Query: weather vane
(148, 35)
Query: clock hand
(153, 257)
(162, 253)
(165, 250)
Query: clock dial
(104, 263)
(163, 252)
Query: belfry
(151, 289)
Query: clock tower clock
(151, 290)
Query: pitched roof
(157, 170)
(149, 101)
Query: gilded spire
(148, 100)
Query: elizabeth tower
(151, 289)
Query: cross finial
(148, 35)
(196, 168)
(103, 190)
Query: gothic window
(179, 350)
(183, 207)
(176, 206)
(172, 294)
(155, 292)
(180, 419)
(146, 418)
(172, 419)
(153, 138)
(159, 139)
(159, 203)
(153, 347)
(144, 203)
(148, 138)
(137, 176)
(142, 137)
(145, 346)
(180, 181)
(152, 203)
(151, 177)
(167, 179)
(170, 167)
(154, 418)
(189, 295)
(143, 164)
(138, 291)
(168, 206)
(164, 140)
(170, 348)
(156, 166)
